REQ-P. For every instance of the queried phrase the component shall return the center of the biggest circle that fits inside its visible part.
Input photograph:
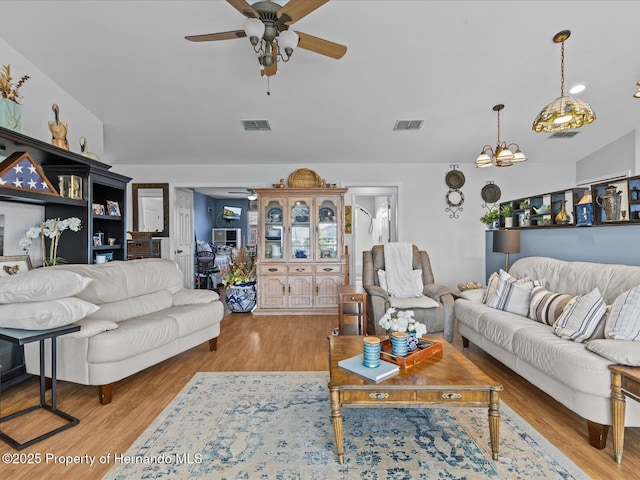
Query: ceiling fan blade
(210, 37)
(244, 8)
(297, 9)
(321, 46)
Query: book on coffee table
(384, 370)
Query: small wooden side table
(625, 382)
(20, 337)
(352, 302)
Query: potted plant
(10, 99)
(491, 219)
(506, 211)
(240, 281)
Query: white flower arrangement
(402, 321)
(51, 229)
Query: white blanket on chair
(402, 280)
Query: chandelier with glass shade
(564, 112)
(503, 155)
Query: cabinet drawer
(300, 269)
(454, 396)
(272, 269)
(352, 298)
(378, 396)
(328, 268)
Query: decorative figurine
(279, 185)
(83, 150)
(58, 130)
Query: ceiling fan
(267, 27)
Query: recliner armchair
(436, 319)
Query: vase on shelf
(563, 217)
(241, 298)
(10, 115)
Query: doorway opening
(374, 222)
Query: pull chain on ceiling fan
(267, 27)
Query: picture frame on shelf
(98, 208)
(97, 240)
(14, 264)
(108, 256)
(113, 208)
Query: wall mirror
(151, 208)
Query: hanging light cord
(562, 70)
(498, 144)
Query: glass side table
(20, 337)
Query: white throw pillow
(581, 316)
(44, 315)
(93, 326)
(512, 296)
(618, 351)
(41, 284)
(623, 323)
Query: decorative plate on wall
(491, 192)
(455, 179)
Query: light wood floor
(247, 343)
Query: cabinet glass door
(300, 221)
(273, 230)
(328, 233)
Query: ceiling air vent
(568, 134)
(407, 125)
(254, 125)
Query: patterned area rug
(278, 426)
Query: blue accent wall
(614, 244)
(204, 209)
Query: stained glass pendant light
(564, 112)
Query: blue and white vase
(241, 298)
(412, 341)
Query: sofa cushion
(41, 284)
(568, 362)
(545, 306)
(623, 352)
(191, 318)
(405, 303)
(469, 312)
(511, 296)
(44, 315)
(189, 297)
(127, 279)
(623, 323)
(135, 336)
(580, 318)
(135, 307)
(93, 326)
(499, 327)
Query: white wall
(456, 246)
(18, 218)
(39, 93)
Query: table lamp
(506, 241)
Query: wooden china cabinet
(301, 260)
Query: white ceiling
(162, 98)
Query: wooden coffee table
(447, 380)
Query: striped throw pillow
(546, 306)
(580, 318)
(512, 297)
(623, 323)
(492, 284)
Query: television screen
(231, 213)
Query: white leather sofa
(566, 370)
(145, 317)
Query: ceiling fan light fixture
(564, 112)
(254, 28)
(288, 40)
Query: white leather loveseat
(145, 317)
(565, 369)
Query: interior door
(185, 236)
